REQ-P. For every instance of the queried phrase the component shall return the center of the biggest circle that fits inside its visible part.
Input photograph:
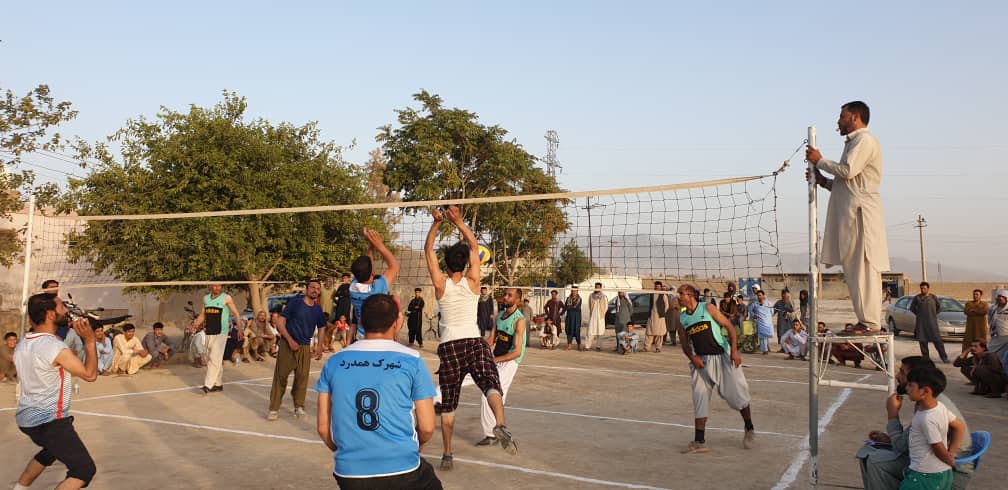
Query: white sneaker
(299, 412)
(272, 415)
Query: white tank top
(458, 311)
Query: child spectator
(931, 460)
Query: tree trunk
(257, 295)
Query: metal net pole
(813, 226)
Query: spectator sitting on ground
(629, 340)
(103, 346)
(235, 344)
(8, 372)
(198, 348)
(259, 337)
(844, 352)
(983, 369)
(548, 335)
(157, 345)
(795, 341)
(822, 330)
(129, 354)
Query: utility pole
(588, 207)
(921, 224)
(611, 269)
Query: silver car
(951, 319)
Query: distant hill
(911, 268)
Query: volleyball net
(708, 230)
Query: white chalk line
(597, 417)
(552, 474)
(650, 373)
(791, 474)
(151, 392)
(316, 441)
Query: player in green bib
(508, 343)
(715, 363)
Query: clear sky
(640, 92)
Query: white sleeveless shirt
(458, 311)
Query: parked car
(276, 303)
(951, 319)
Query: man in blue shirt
(761, 312)
(297, 325)
(382, 383)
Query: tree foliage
(437, 153)
(573, 266)
(211, 159)
(26, 124)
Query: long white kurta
(854, 236)
(596, 314)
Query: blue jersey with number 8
(372, 385)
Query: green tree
(438, 153)
(573, 266)
(26, 124)
(211, 159)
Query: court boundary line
(653, 373)
(316, 441)
(600, 417)
(791, 474)
(149, 392)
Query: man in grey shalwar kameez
(997, 321)
(926, 306)
(854, 236)
(623, 309)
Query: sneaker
(695, 447)
(506, 441)
(487, 441)
(446, 462)
(749, 439)
(299, 412)
(205, 390)
(217, 388)
(272, 415)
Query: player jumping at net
(714, 363)
(365, 281)
(462, 350)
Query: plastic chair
(981, 443)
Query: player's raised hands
(372, 237)
(454, 214)
(436, 214)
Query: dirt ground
(582, 420)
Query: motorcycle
(187, 336)
(98, 316)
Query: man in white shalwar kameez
(855, 228)
(795, 341)
(597, 306)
